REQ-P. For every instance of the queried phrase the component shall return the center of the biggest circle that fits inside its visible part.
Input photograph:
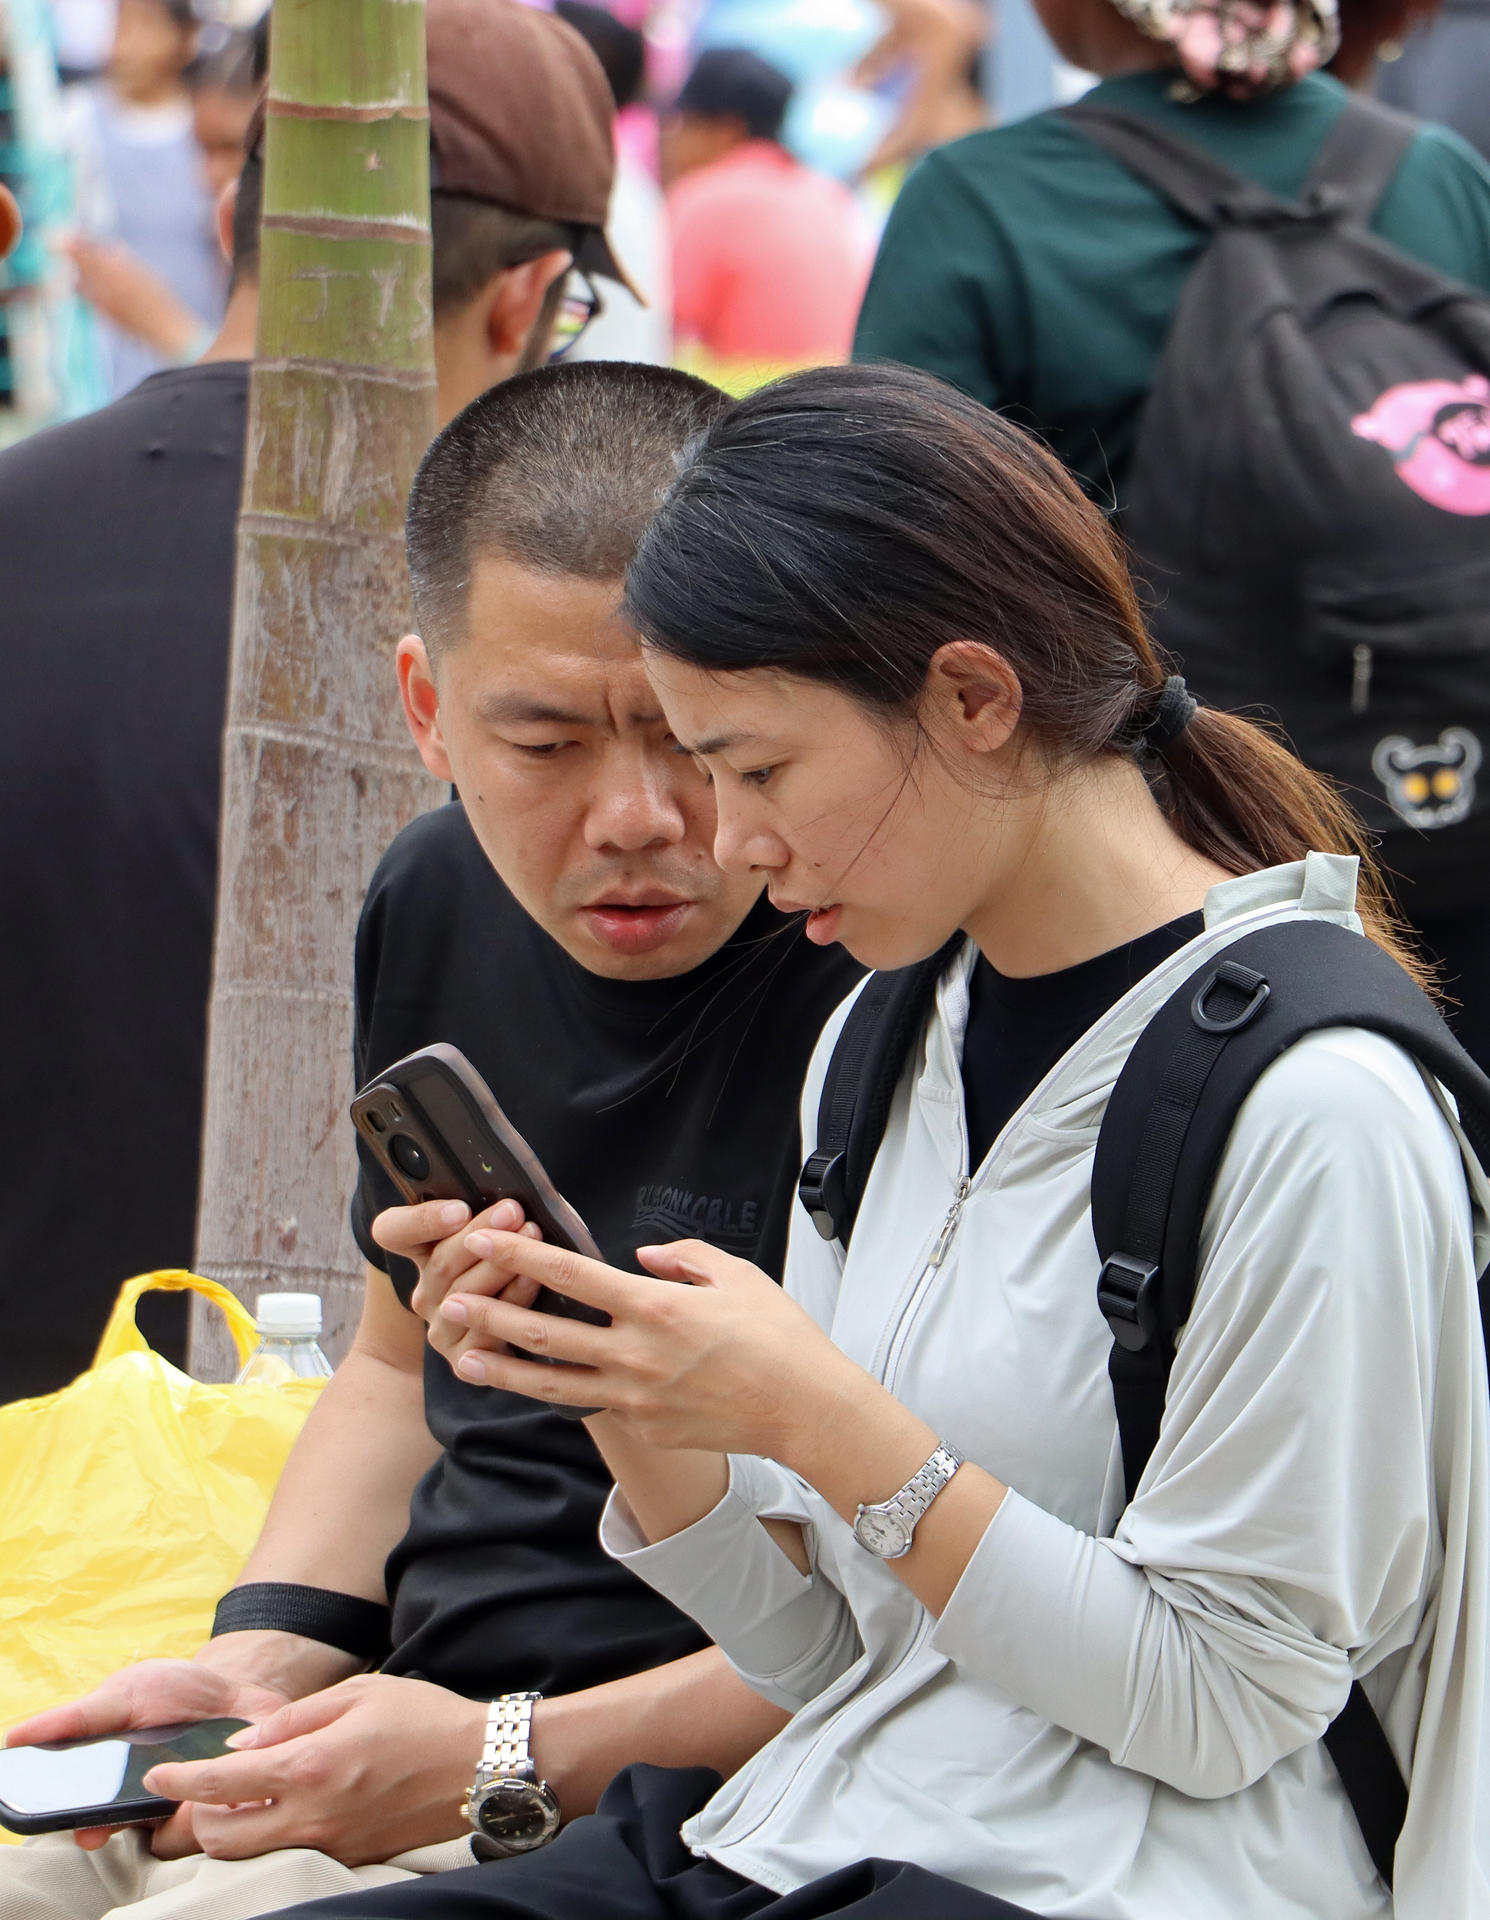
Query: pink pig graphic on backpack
(1438, 434)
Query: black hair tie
(1175, 709)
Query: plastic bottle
(289, 1327)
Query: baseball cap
(520, 113)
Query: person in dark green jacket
(1029, 268)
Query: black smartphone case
(142, 1809)
(118, 1813)
(470, 1151)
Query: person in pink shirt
(769, 258)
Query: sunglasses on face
(581, 304)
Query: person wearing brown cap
(117, 536)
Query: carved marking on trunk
(387, 376)
(325, 226)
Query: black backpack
(1162, 1137)
(1309, 496)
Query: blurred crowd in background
(761, 146)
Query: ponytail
(844, 524)
(1235, 793)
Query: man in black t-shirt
(117, 536)
(646, 1021)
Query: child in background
(140, 177)
(133, 299)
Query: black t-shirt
(116, 600)
(1018, 1029)
(662, 1109)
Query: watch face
(881, 1533)
(517, 1815)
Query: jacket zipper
(860, 1710)
(928, 1274)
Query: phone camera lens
(409, 1157)
(376, 1121)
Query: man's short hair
(473, 240)
(731, 83)
(561, 470)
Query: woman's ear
(972, 697)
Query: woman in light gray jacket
(908, 654)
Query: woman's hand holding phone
(683, 1375)
(723, 1362)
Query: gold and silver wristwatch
(510, 1809)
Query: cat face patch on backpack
(1438, 434)
(1431, 786)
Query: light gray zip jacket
(1118, 1716)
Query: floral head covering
(1240, 48)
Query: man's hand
(432, 1236)
(156, 1693)
(361, 1771)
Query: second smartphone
(98, 1783)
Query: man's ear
(227, 207)
(421, 698)
(514, 299)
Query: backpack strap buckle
(823, 1192)
(1229, 980)
(1128, 1295)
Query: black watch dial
(517, 1815)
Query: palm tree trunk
(318, 772)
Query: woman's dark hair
(846, 523)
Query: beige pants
(50, 1878)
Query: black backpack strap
(1186, 175)
(1156, 1100)
(1165, 1129)
(1161, 1142)
(861, 1080)
(1359, 160)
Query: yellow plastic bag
(128, 1504)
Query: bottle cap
(282, 1313)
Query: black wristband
(341, 1620)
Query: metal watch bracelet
(509, 1808)
(885, 1528)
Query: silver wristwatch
(886, 1528)
(510, 1809)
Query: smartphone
(437, 1131)
(96, 1783)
